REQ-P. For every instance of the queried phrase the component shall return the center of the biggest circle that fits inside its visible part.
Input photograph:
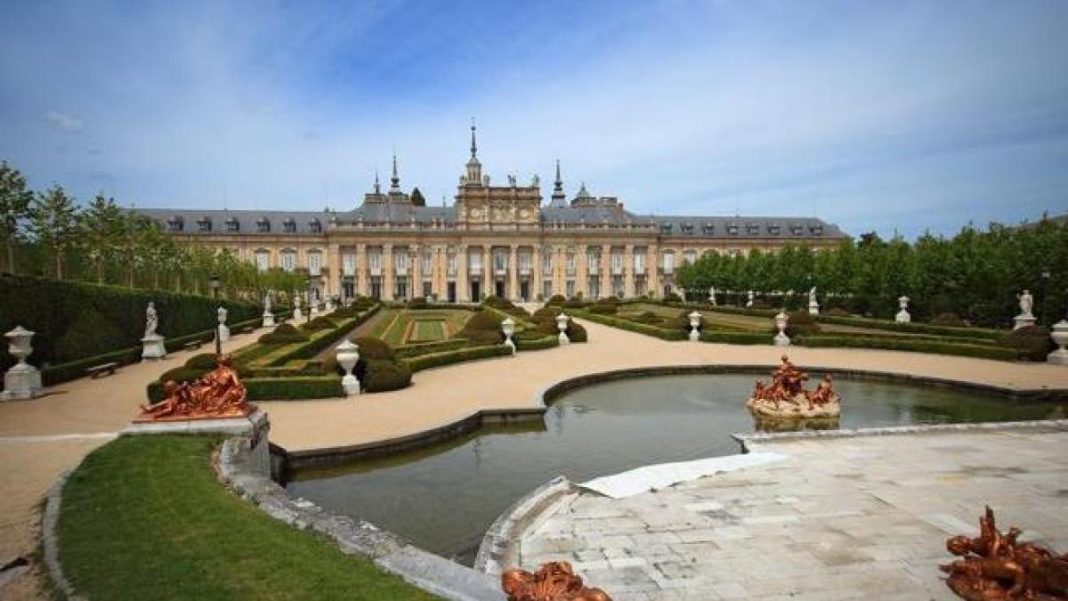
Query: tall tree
(102, 224)
(417, 198)
(54, 221)
(15, 202)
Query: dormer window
(687, 228)
(665, 228)
(732, 229)
(232, 225)
(708, 229)
(796, 229)
(752, 228)
(175, 224)
(289, 226)
(315, 226)
(203, 224)
(774, 229)
(817, 229)
(263, 225)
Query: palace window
(450, 261)
(289, 260)
(796, 229)
(690, 257)
(592, 261)
(687, 228)
(348, 264)
(817, 230)
(524, 261)
(752, 228)
(665, 228)
(617, 263)
(708, 229)
(425, 266)
(314, 226)
(570, 264)
(639, 262)
(263, 225)
(263, 259)
(500, 261)
(669, 262)
(547, 261)
(315, 262)
(732, 229)
(203, 224)
(374, 261)
(401, 262)
(774, 229)
(289, 226)
(175, 224)
(233, 225)
(474, 261)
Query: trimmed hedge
(631, 326)
(735, 337)
(448, 358)
(317, 343)
(320, 323)
(284, 334)
(110, 315)
(426, 348)
(380, 375)
(285, 389)
(1032, 343)
(76, 369)
(905, 344)
(534, 340)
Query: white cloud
(64, 121)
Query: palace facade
(494, 240)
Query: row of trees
(48, 234)
(975, 274)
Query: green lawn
(428, 331)
(144, 517)
(399, 327)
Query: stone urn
(561, 324)
(695, 322)
(348, 354)
(224, 330)
(1060, 338)
(508, 327)
(297, 313)
(781, 339)
(903, 315)
(22, 381)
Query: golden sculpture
(786, 396)
(553, 581)
(218, 393)
(994, 567)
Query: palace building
(497, 240)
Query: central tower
(480, 205)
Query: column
(560, 270)
(362, 271)
(606, 270)
(582, 269)
(415, 260)
(487, 287)
(387, 272)
(333, 261)
(628, 271)
(652, 267)
(537, 287)
(513, 273)
(463, 286)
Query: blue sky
(893, 116)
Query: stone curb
(50, 542)
(498, 548)
(770, 437)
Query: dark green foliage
(417, 198)
(76, 369)
(913, 327)
(556, 300)
(575, 332)
(545, 313)
(534, 340)
(800, 323)
(52, 308)
(284, 334)
(948, 319)
(378, 375)
(294, 388)
(319, 323)
(671, 297)
(1031, 342)
(608, 300)
(497, 302)
(641, 328)
(735, 337)
(415, 350)
(374, 348)
(203, 361)
(603, 309)
(838, 312)
(458, 356)
(648, 317)
(418, 302)
(483, 328)
(575, 302)
(90, 334)
(906, 344)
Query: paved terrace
(846, 518)
(41, 438)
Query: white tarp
(652, 477)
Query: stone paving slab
(847, 518)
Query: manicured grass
(403, 327)
(428, 331)
(145, 518)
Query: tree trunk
(59, 264)
(11, 257)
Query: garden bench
(96, 371)
(193, 344)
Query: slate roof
(742, 227)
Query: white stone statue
(266, 304)
(749, 302)
(813, 306)
(223, 330)
(903, 315)
(712, 295)
(535, 181)
(151, 320)
(1027, 303)
(297, 313)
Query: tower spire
(474, 145)
(558, 198)
(473, 175)
(395, 180)
(378, 189)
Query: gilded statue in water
(995, 567)
(786, 396)
(218, 393)
(554, 581)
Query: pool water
(443, 498)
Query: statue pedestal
(563, 339)
(1022, 321)
(268, 319)
(781, 339)
(297, 315)
(903, 317)
(813, 308)
(350, 385)
(224, 333)
(153, 347)
(22, 381)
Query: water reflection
(443, 498)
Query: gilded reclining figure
(554, 581)
(218, 393)
(786, 396)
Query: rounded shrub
(284, 334)
(576, 333)
(801, 322)
(1032, 342)
(418, 302)
(603, 309)
(380, 375)
(671, 297)
(556, 300)
(374, 348)
(183, 374)
(204, 361)
(948, 319)
(648, 317)
(319, 323)
(545, 313)
(484, 327)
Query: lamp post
(308, 289)
(213, 283)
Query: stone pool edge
(454, 428)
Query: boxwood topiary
(948, 319)
(203, 361)
(603, 309)
(484, 327)
(320, 323)
(374, 348)
(671, 297)
(576, 333)
(556, 300)
(283, 334)
(1032, 342)
(379, 375)
(800, 323)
